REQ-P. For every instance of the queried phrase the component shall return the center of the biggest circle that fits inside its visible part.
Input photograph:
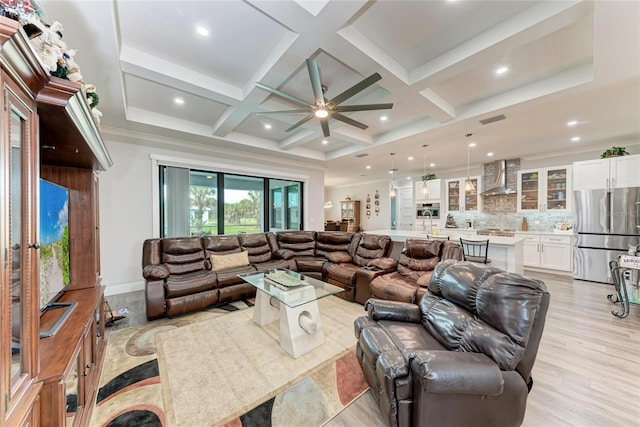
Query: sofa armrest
(379, 309)
(452, 372)
(283, 254)
(155, 272)
(386, 264)
(363, 279)
(155, 299)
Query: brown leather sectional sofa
(179, 276)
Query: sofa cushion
(470, 308)
(370, 246)
(343, 273)
(190, 283)
(302, 243)
(225, 244)
(338, 257)
(395, 287)
(230, 277)
(263, 267)
(284, 254)
(333, 241)
(383, 263)
(257, 246)
(307, 264)
(224, 262)
(183, 255)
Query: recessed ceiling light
(572, 123)
(267, 126)
(432, 164)
(575, 139)
(384, 118)
(472, 144)
(202, 31)
(489, 154)
(408, 178)
(390, 172)
(368, 167)
(325, 142)
(502, 70)
(410, 158)
(178, 101)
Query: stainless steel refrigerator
(606, 223)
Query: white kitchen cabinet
(549, 252)
(434, 190)
(460, 200)
(545, 189)
(614, 172)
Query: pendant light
(425, 189)
(392, 190)
(468, 185)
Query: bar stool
(475, 250)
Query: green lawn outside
(212, 229)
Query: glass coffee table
(293, 298)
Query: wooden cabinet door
(19, 276)
(591, 174)
(625, 171)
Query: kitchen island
(506, 253)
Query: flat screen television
(54, 251)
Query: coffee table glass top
(289, 287)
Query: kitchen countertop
(495, 240)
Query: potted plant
(429, 177)
(614, 152)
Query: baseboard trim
(123, 288)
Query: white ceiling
(568, 60)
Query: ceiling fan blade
(348, 121)
(316, 84)
(266, 113)
(325, 127)
(300, 123)
(345, 108)
(356, 88)
(286, 96)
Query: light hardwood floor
(587, 372)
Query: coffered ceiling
(566, 60)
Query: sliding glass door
(202, 203)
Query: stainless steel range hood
(499, 187)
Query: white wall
(127, 206)
(359, 192)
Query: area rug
(214, 371)
(129, 391)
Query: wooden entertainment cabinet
(47, 131)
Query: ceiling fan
(323, 108)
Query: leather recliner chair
(462, 356)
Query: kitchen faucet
(424, 227)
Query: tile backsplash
(512, 221)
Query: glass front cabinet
(545, 190)
(463, 200)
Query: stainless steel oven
(426, 210)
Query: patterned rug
(130, 391)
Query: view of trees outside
(204, 211)
(243, 215)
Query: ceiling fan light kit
(324, 108)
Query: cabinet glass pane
(453, 196)
(471, 197)
(530, 184)
(557, 189)
(17, 271)
(71, 395)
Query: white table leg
(293, 338)
(264, 312)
